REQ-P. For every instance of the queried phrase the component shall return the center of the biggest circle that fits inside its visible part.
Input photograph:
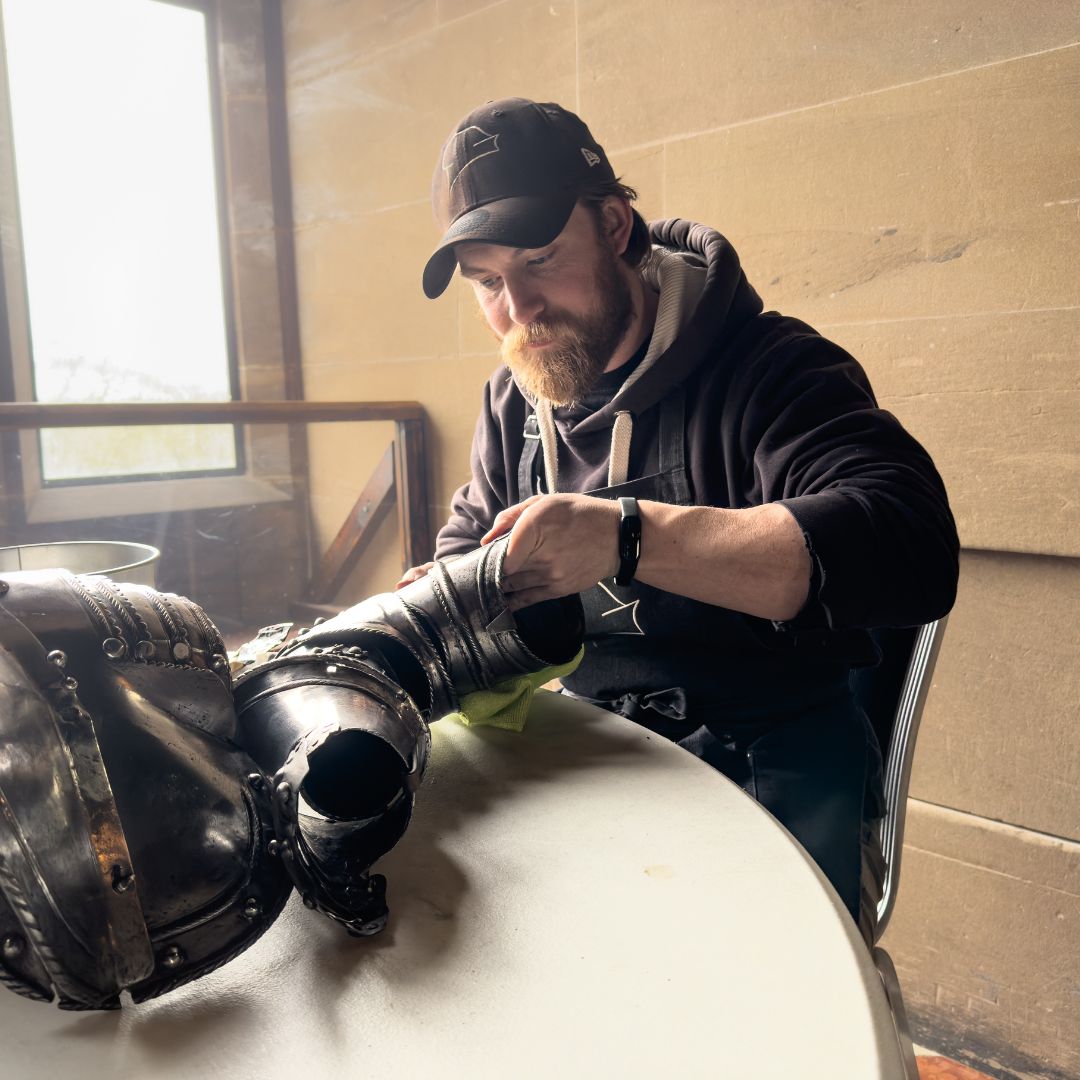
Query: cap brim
(524, 221)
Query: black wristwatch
(629, 540)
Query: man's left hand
(559, 545)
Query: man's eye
(539, 260)
(488, 283)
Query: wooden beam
(285, 262)
(410, 467)
(35, 414)
(403, 469)
(356, 532)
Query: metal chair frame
(898, 759)
(897, 776)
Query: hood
(704, 299)
(712, 298)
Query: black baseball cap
(510, 173)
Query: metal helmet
(133, 832)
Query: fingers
(503, 523)
(506, 519)
(414, 573)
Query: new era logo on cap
(590, 158)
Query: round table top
(580, 899)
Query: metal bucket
(120, 560)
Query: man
(716, 481)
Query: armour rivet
(172, 957)
(145, 650)
(12, 946)
(181, 651)
(57, 657)
(252, 908)
(122, 878)
(113, 648)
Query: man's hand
(559, 545)
(414, 573)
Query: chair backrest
(893, 694)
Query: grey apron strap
(672, 448)
(675, 485)
(526, 477)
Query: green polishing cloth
(506, 704)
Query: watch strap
(629, 540)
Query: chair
(893, 695)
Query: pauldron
(157, 808)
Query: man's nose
(524, 303)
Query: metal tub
(119, 560)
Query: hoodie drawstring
(619, 461)
(549, 441)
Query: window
(114, 157)
(146, 249)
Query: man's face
(559, 312)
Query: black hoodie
(775, 413)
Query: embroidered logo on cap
(591, 158)
(465, 149)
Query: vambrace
(339, 716)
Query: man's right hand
(414, 573)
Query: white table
(582, 899)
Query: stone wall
(906, 177)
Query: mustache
(520, 337)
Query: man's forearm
(751, 560)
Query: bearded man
(717, 481)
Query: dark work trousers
(816, 768)
(788, 732)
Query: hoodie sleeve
(870, 503)
(474, 505)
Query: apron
(774, 719)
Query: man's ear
(617, 222)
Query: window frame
(260, 353)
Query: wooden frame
(400, 472)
